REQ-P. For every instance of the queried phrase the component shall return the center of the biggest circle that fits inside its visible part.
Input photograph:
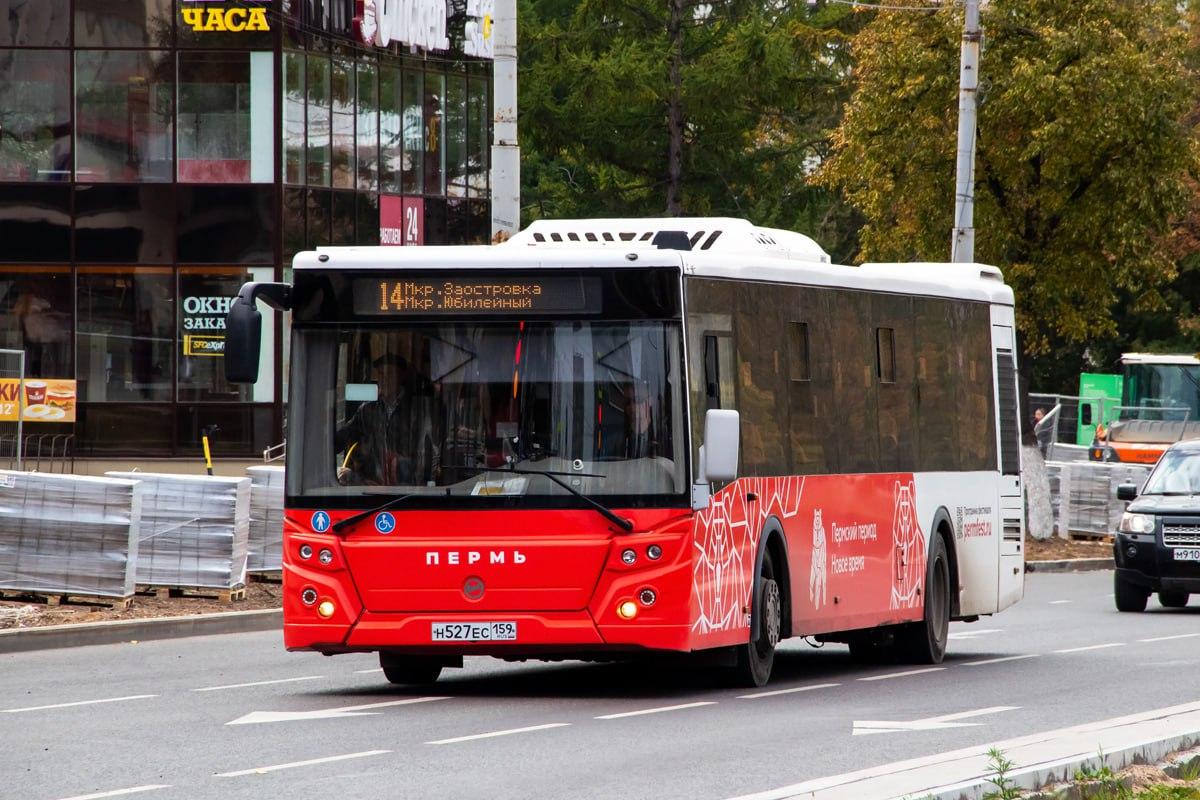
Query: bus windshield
(441, 410)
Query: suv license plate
(1187, 553)
(474, 631)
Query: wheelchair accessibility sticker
(320, 521)
(385, 522)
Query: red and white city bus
(612, 437)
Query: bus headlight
(326, 609)
(627, 609)
(1136, 523)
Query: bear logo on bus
(818, 572)
(908, 544)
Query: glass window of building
(435, 133)
(123, 128)
(479, 138)
(124, 23)
(293, 118)
(391, 130)
(226, 117)
(36, 316)
(35, 23)
(226, 224)
(132, 224)
(456, 136)
(412, 110)
(318, 120)
(126, 333)
(205, 294)
(367, 136)
(35, 223)
(35, 115)
(342, 102)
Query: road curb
(1062, 772)
(49, 637)
(1070, 565)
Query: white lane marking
(971, 634)
(258, 683)
(367, 671)
(508, 732)
(1169, 638)
(1060, 602)
(867, 727)
(77, 703)
(326, 713)
(904, 674)
(308, 763)
(1000, 660)
(120, 792)
(658, 710)
(788, 691)
(1091, 647)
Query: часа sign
(206, 15)
(416, 22)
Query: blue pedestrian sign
(385, 522)
(320, 521)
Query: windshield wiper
(606, 512)
(360, 516)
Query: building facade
(156, 154)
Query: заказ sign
(416, 22)
(205, 15)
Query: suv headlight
(1136, 523)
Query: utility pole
(506, 154)
(962, 240)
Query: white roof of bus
(722, 248)
(1156, 358)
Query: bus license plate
(474, 631)
(1187, 553)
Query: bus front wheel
(756, 658)
(410, 670)
(924, 642)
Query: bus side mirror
(1126, 491)
(722, 434)
(243, 328)
(1085, 413)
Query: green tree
(1082, 162)
(633, 107)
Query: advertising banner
(46, 400)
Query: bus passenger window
(800, 370)
(885, 355)
(718, 371)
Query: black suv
(1157, 545)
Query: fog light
(305, 551)
(628, 556)
(325, 556)
(647, 597)
(1131, 550)
(654, 552)
(308, 596)
(627, 609)
(326, 609)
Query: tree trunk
(675, 112)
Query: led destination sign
(477, 295)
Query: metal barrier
(12, 365)
(39, 452)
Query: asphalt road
(233, 716)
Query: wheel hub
(771, 613)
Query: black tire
(756, 658)
(1129, 596)
(1173, 599)
(924, 642)
(410, 670)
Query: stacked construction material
(68, 535)
(194, 530)
(265, 551)
(1087, 495)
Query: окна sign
(206, 15)
(416, 22)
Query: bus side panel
(971, 500)
(856, 552)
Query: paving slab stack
(265, 553)
(1084, 495)
(69, 535)
(195, 530)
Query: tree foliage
(1084, 152)
(761, 86)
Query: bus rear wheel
(756, 658)
(924, 642)
(410, 670)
